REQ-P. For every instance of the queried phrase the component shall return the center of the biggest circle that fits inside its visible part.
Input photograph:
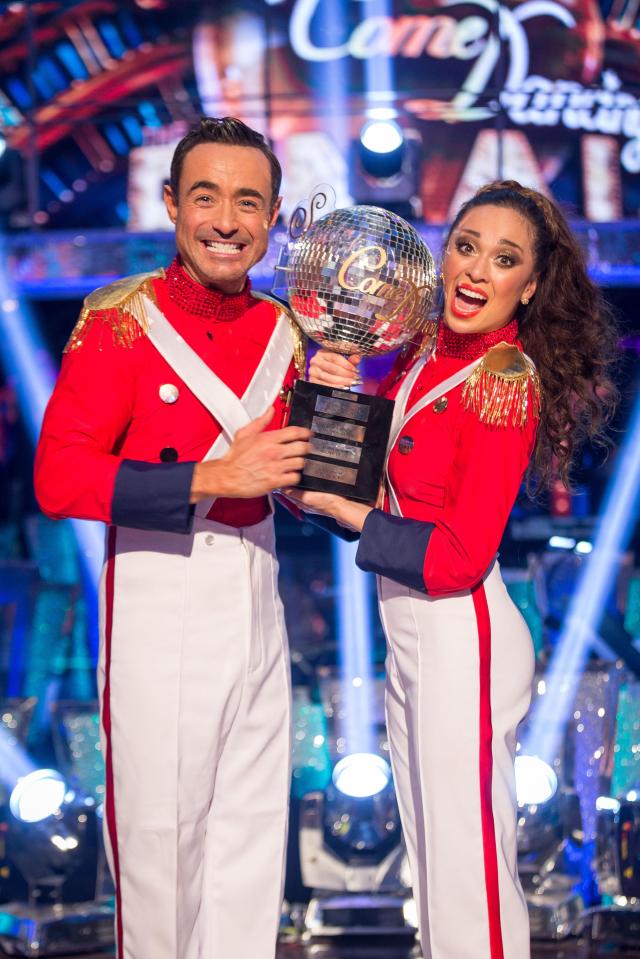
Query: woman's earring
(525, 301)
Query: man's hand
(257, 462)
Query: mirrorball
(361, 280)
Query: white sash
(231, 412)
(400, 419)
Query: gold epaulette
(119, 306)
(299, 338)
(504, 390)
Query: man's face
(223, 213)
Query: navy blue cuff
(394, 547)
(153, 496)
(331, 525)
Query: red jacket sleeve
(89, 410)
(486, 476)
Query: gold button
(440, 405)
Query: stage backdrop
(93, 94)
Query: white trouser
(459, 672)
(194, 678)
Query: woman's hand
(332, 369)
(344, 511)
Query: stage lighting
(353, 858)
(617, 861)
(361, 775)
(536, 782)
(38, 795)
(382, 148)
(384, 167)
(52, 837)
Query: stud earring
(525, 301)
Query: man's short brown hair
(229, 131)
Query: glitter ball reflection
(361, 280)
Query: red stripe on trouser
(110, 804)
(486, 774)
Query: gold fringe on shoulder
(504, 390)
(299, 339)
(118, 306)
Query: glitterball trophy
(360, 281)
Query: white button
(168, 393)
(209, 539)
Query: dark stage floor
(572, 949)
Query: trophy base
(350, 432)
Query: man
(157, 426)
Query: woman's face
(488, 268)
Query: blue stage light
(361, 775)
(38, 795)
(584, 546)
(354, 632)
(536, 782)
(14, 762)
(26, 360)
(579, 631)
(562, 542)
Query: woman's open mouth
(467, 300)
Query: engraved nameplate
(336, 451)
(345, 431)
(352, 411)
(327, 471)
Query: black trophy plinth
(349, 439)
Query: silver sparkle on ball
(361, 280)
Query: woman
(518, 378)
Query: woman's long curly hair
(568, 331)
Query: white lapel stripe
(231, 412)
(403, 418)
(221, 401)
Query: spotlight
(617, 920)
(562, 542)
(37, 795)
(52, 836)
(382, 148)
(361, 775)
(536, 782)
(353, 858)
(384, 167)
(549, 837)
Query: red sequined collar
(469, 346)
(202, 301)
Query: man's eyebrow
(204, 185)
(504, 240)
(214, 188)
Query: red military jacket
(456, 467)
(122, 432)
